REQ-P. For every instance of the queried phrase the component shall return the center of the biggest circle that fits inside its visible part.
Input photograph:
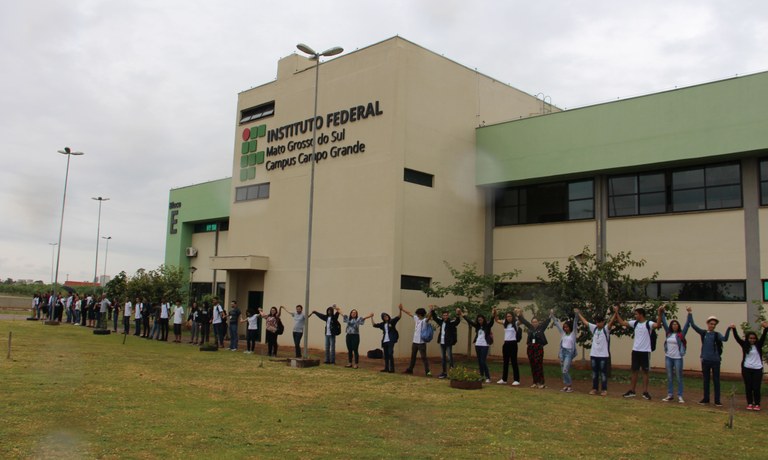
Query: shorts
(176, 329)
(641, 360)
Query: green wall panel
(259, 157)
(244, 148)
(262, 129)
(243, 161)
(251, 173)
(709, 120)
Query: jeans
(599, 372)
(69, 315)
(77, 317)
(137, 322)
(297, 342)
(155, 330)
(509, 352)
(421, 348)
(713, 368)
(389, 356)
(674, 370)
(482, 360)
(353, 343)
(218, 334)
(566, 358)
(205, 332)
(195, 332)
(126, 325)
(114, 321)
(164, 329)
(233, 336)
(446, 352)
(330, 349)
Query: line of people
(201, 318)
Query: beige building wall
(698, 246)
(205, 243)
(369, 225)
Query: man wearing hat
(711, 349)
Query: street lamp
(98, 231)
(68, 152)
(192, 271)
(314, 55)
(106, 254)
(52, 254)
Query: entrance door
(256, 301)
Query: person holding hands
(537, 340)
(353, 322)
(711, 349)
(420, 321)
(599, 353)
(641, 347)
(567, 350)
(332, 329)
(389, 338)
(447, 337)
(483, 340)
(674, 351)
(752, 364)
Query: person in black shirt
(537, 340)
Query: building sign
(291, 144)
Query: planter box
(462, 385)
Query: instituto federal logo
(250, 153)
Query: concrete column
(750, 173)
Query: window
(553, 202)
(418, 177)
(765, 291)
(414, 283)
(691, 189)
(204, 227)
(257, 113)
(698, 291)
(252, 192)
(764, 182)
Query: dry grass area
(67, 393)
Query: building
(415, 153)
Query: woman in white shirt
(567, 351)
(483, 341)
(674, 351)
(752, 364)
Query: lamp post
(98, 232)
(68, 152)
(314, 55)
(52, 245)
(106, 254)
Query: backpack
(489, 337)
(653, 334)
(427, 333)
(376, 354)
(280, 328)
(335, 327)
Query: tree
(479, 294)
(594, 286)
(117, 288)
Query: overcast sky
(148, 90)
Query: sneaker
(569, 390)
(429, 374)
(535, 385)
(749, 406)
(502, 382)
(384, 370)
(668, 398)
(564, 389)
(718, 404)
(487, 380)
(756, 407)
(442, 376)
(515, 383)
(593, 392)
(348, 365)
(541, 386)
(630, 394)
(704, 401)
(680, 400)
(647, 396)
(604, 393)
(408, 371)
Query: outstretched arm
(400, 314)
(693, 323)
(403, 310)
(618, 318)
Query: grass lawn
(67, 393)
